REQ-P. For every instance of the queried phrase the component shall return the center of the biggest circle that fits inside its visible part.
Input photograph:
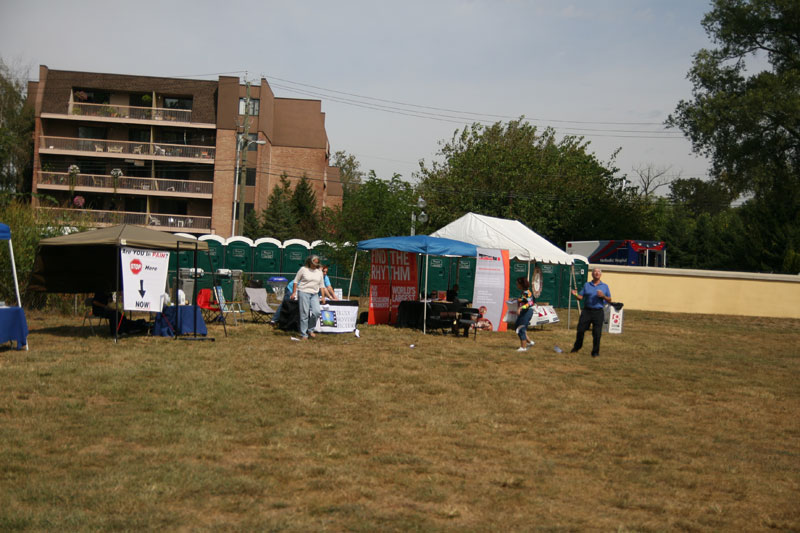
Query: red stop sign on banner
(136, 266)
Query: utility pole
(246, 148)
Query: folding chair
(260, 311)
(225, 308)
(210, 311)
(88, 314)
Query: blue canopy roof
(421, 244)
(5, 232)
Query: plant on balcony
(81, 96)
(73, 172)
(79, 202)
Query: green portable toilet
(183, 259)
(266, 259)
(517, 269)
(438, 273)
(239, 254)
(238, 258)
(551, 281)
(581, 266)
(295, 252)
(212, 261)
(465, 277)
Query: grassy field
(684, 423)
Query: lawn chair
(233, 308)
(260, 310)
(88, 315)
(211, 312)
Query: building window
(250, 177)
(248, 208)
(253, 109)
(91, 96)
(172, 102)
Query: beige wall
(701, 291)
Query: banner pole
(425, 307)
(352, 272)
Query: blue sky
(611, 70)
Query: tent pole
(14, 270)
(352, 272)
(116, 300)
(177, 289)
(16, 282)
(425, 307)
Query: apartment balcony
(127, 150)
(153, 116)
(104, 183)
(163, 222)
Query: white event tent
(522, 243)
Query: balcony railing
(152, 220)
(204, 154)
(61, 180)
(126, 111)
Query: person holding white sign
(308, 283)
(525, 313)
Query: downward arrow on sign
(141, 288)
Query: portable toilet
(550, 283)
(183, 261)
(465, 277)
(295, 252)
(212, 261)
(239, 254)
(239, 260)
(517, 269)
(266, 259)
(581, 266)
(438, 273)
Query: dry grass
(684, 423)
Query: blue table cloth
(168, 321)
(13, 326)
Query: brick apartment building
(175, 143)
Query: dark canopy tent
(86, 262)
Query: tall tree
(16, 131)
(747, 120)
(557, 188)
(278, 219)
(304, 206)
(350, 172)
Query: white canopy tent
(522, 243)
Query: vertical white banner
(144, 278)
(491, 285)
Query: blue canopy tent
(421, 244)
(5, 235)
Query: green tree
(252, 226)
(278, 219)
(350, 173)
(16, 132)
(747, 120)
(699, 196)
(304, 206)
(557, 188)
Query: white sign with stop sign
(144, 277)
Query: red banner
(393, 279)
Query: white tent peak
(521, 242)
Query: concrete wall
(703, 291)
